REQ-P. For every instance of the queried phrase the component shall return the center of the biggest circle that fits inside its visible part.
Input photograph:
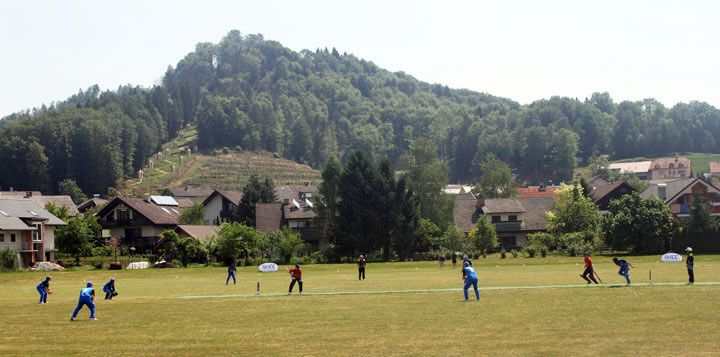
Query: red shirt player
(296, 275)
(588, 270)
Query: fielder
(231, 273)
(624, 268)
(44, 289)
(109, 289)
(470, 279)
(87, 297)
(690, 262)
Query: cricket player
(109, 289)
(44, 289)
(361, 267)
(689, 263)
(589, 268)
(466, 261)
(231, 273)
(296, 275)
(624, 268)
(87, 297)
(470, 279)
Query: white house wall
(212, 209)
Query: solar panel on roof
(165, 209)
(307, 202)
(4, 214)
(164, 200)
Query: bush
(176, 262)
(514, 253)
(531, 250)
(152, 259)
(476, 254)
(543, 251)
(104, 251)
(502, 253)
(9, 259)
(543, 239)
(98, 265)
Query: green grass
(149, 318)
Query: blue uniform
(624, 269)
(41, 288)
(85, 299)
(231, 273)
(109, 288)
(470, 279)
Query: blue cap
(112, 278)
(467, 263)
(48, 277)
(89, 284)
(464, 256)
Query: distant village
(27, 227)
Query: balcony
(123, 223)
(514, 226)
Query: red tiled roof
(525, 192)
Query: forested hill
(251, 94)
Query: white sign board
(671, 257)
(268, 267)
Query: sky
(522, 50)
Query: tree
(359, 219)
(641, 224)
(586, 188)
(254, 192)
(700, 218)
(70, 188)
(188, 248)
(599, 165)
(483, 236)
(326, 199)
(236, 240)
(289, 244)
(405, 232)
(168, 244)
(453, 239)
(572, 212)
(194, 215)
(497, 180)
(427, 177)
(75, 239)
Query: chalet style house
(678, 195)
(295, 212)
(220, 207)
(604, 194)
(28, 229)
(514, 218)
(139, 221)
(671, 168)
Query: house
(677, 167)
(537, 191)
(457, 189)
(139, 221)
(40, 200)
(514, 218)
(640, 169)
(678, 195)
(28, 229)
(714, 170)
(297, 215)
(597, 181)
(296, 192)
(196, 194)
(90, 204)
(202, 233)
(604, 194)
(220, 206)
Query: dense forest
(252, 94)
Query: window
(512, 219)
(672, 165)
(495, 219)
(12, 237)
(681, 165)
(508, 242)
(37, 233)
(2, 238)
(123, 215)
(657, 166)
(4, 214)
(33, 213)
(296, 224)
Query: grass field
(387, 314)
